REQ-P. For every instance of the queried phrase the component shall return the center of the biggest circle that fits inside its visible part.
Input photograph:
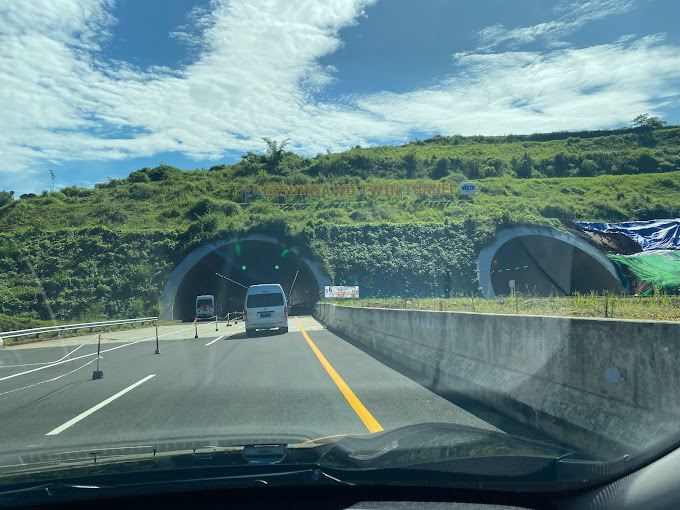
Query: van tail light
(285, 312)
(245, 315)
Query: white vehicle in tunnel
(205, 306)
(265, 307)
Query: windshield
(471, 211)
(262, 300)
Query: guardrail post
(98, 374)
(157, 351)
(229, 319)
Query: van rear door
(266, 308)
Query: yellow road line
(371, 423)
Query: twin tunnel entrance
(540, 262)
(240, 263)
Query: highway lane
(30, 363)
(221, 385)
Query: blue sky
(94, 89)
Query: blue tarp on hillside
(650, 235)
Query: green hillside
(521, 179)
(109, 250)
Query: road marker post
(228, 319)
(216, 323)
(157, 350)
(98, 374)
(196, 325)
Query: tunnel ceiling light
(237, 249)
(285, 252)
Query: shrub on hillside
(230, 208)
(75, 191)
(139, 176)
(163, 172)
(204, 206)
(6, 197)
(141, 191)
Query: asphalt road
(290, 387)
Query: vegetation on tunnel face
(97, 273)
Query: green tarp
(659, 269)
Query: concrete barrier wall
(604, 385)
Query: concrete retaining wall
(604, 385)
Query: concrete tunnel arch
(556, 262)
(183, 269)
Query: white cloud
(531, 92)
(572, 17)
(255, 77)
(257, 71)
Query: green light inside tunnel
(285, 252)
(237, 249)
(276, 266)
(243, 267)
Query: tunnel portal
(544, 262)
(241, 263)
(548, 267)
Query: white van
(205, 306)
(266, 307)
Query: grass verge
(656, 307)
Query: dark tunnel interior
(545, 266)
(248, 263)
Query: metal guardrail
(48, 329)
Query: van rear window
(262, 300)
(204, 302)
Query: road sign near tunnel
(341, 291)
(468, 188)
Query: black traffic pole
(98, 374)
(196, 324)
(157, 350)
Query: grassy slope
(624, 143)
(169, 199)
(172, 206)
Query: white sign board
(341, 291)
(468, 188)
